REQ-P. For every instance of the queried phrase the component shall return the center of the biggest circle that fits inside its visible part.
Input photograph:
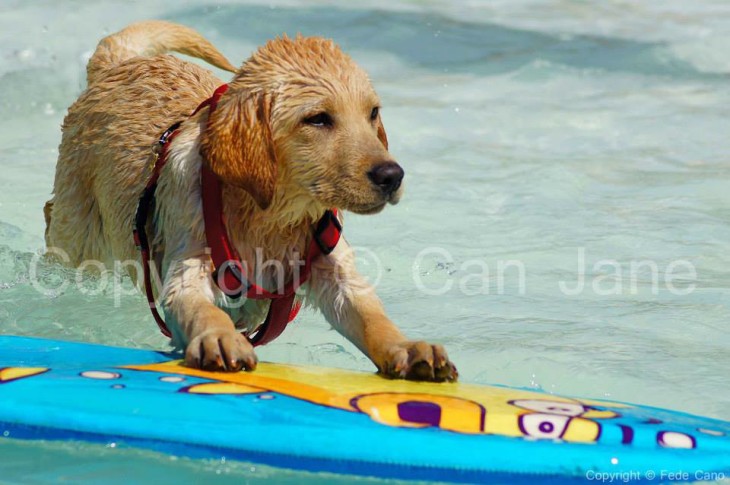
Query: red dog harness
(229, 273)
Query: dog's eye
(320, 119)
(374, 113)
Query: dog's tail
(150, 38)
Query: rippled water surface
(537, 136)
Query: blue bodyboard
(319, 419)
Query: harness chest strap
(229, 273)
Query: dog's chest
(273, 269)
(269, 270)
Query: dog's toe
(444, 369)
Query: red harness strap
(229, 273)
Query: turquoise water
(534, 134)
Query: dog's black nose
(387, 176)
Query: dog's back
(134, 93)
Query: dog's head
(301, 115)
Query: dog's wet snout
(387, 176)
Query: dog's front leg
(206, 332)
(352, 307)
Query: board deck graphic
(320, 419)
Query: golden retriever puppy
(297, 132)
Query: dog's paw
(419, 361)
(220, 350)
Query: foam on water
(531, 131)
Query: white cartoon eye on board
(673, 439)
(555, 426)
(551, 407)
(543, 426)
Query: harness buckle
(164, 138)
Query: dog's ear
(381, 133)
(238, 145)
